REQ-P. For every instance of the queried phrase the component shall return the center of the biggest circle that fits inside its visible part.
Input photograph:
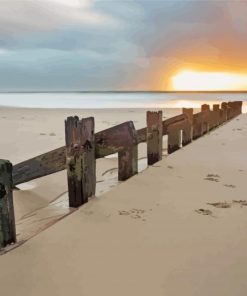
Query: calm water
(115, 100)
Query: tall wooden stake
(128, 157)
(187, 133)
(7, 216)
(154, 136)
(80, 150)
(174, 138)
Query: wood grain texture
(197, 125)
(128, 156)
(110, 141)
(154, 137)
(80, 159)
(7, 217)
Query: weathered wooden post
(80, 154)
(216, 107)
(154, 136)
(224, 107)
(216, 110)
(128, 156)
(7, 216)
(197, 125)
(205, 109)
(187, 132)
(239, 104)
(174, 137)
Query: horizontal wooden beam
(39, 166)
(142, 133)
(108, 142)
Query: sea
(100, 100)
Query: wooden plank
(42, 165)
(112, 140)
(80, 158)
(166, 123)
(128, 156)
(7, 217)
(142, 133)
(107, 142)
(154, 137)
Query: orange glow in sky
(189, 80)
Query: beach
(176, 228)
(31, 132)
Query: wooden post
(154, 137)
(187, 132)
(216, 107)
(197, 125)
(7, 216)
(205, 107)
(80, 156)
(224, 107)
(128, 156)
(174, 138)
(240, 103)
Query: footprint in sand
(212, 177)
(220, 205)
(133, 213)
(42, 134)
(52, 134)
(170, 167)
(204, 212)
(229, 185)
(240, 202)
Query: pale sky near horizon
(117, 45)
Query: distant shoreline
(113, 91)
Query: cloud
(43, 15)
(134, 44)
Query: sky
(71, 45)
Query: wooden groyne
(84, 146)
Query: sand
(177, 228)
(31, 132)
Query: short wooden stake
(205, 107)
(154, 136)
(198, 119)
(174, 138)
(128, 156)
(187, 133)
(216, 107)
(7, 216)
(80, 151)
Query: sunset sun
(188, 80)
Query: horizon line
(127, 91)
